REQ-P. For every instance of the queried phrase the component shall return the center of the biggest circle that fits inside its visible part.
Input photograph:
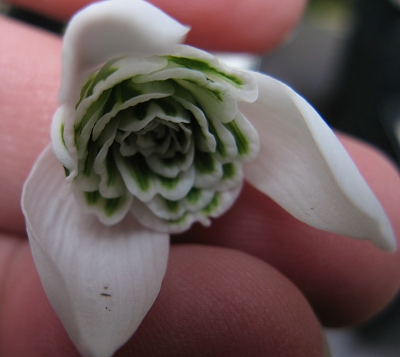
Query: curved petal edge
(100, 280)
(306, 170)
(110, 29)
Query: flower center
(167, 141)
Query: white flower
(153, 136)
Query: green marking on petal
(94, 107)
(194, 195)
(241, 141)
(102, 74)
(85, 88)
(62, 135)
(204, 162)
(139, 171)
(229, 171)
(92, 197)
(212, 206)
(196, 64)
(105, 71)
(125, 91)
(172, 206)
(178, 220)
(217, 94)
(112, 205)
(168, 183)
(109, 205)
(201, 90)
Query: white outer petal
(78, 260)
(304, 168)
(109, 29)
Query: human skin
(234, 25)
(242, 289)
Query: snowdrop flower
(154, 136)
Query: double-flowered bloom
(153, 136)
(159, 136)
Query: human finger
(213, 301)
(345, 280)
(24, 136)
(30, 75)
(234, 25)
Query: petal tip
(302, 164)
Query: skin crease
(248, 302)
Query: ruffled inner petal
(160, 135)
(241, 84)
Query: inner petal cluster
(161, 137)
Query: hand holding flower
(206, 256)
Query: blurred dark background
(345, 59)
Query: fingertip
(234, 25)
(224, 25)
(221, 302)
(346, 281)
(381, 174)
(29, 71)
(28, 324)
(213, 301)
